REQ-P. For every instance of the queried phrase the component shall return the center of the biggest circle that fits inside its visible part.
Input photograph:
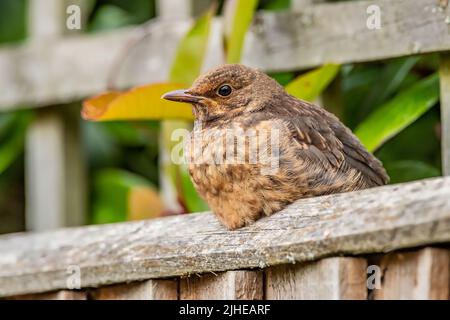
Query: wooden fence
(321, 247)
(337, 247)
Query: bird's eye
(224, 90)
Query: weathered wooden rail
(323, 33)
(316, 248)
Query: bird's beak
(181, 96)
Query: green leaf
(283, 78)
(238, 17)
(310, 85)
(12, 145)
(191, 50)
(102, 147)
(6, 123)
(112, 189)
(419, 141)
(410, 170)
(110, 17)
(391, 117)
(389, 80)
(13, 14)
(126, 133)
(276, 5)
(118, 14)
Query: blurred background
(120, 165)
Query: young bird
(316, 155)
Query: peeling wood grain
(415, 275)
(52, 72)
(337, 32)
(230, 285)
(377, 220)
(144, 290)
(330, 279)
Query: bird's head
(227, 91)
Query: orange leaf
(144, 203)
(140, 103)
(94, 107)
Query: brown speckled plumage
(318, 154)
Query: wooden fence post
(422, 274)
(54, 166)
(145, 290)
(230, 285)
(331, 278)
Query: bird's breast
(226, 159)
(234, 144)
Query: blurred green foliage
(274, 5)
(122, 155)
(310, 85)
(111, 192)
(390, 118)
(237, 19)
(12, 135)
(111, 14)
(13, 14)
(391, 94)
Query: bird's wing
(322, 138)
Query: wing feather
(334, 146)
